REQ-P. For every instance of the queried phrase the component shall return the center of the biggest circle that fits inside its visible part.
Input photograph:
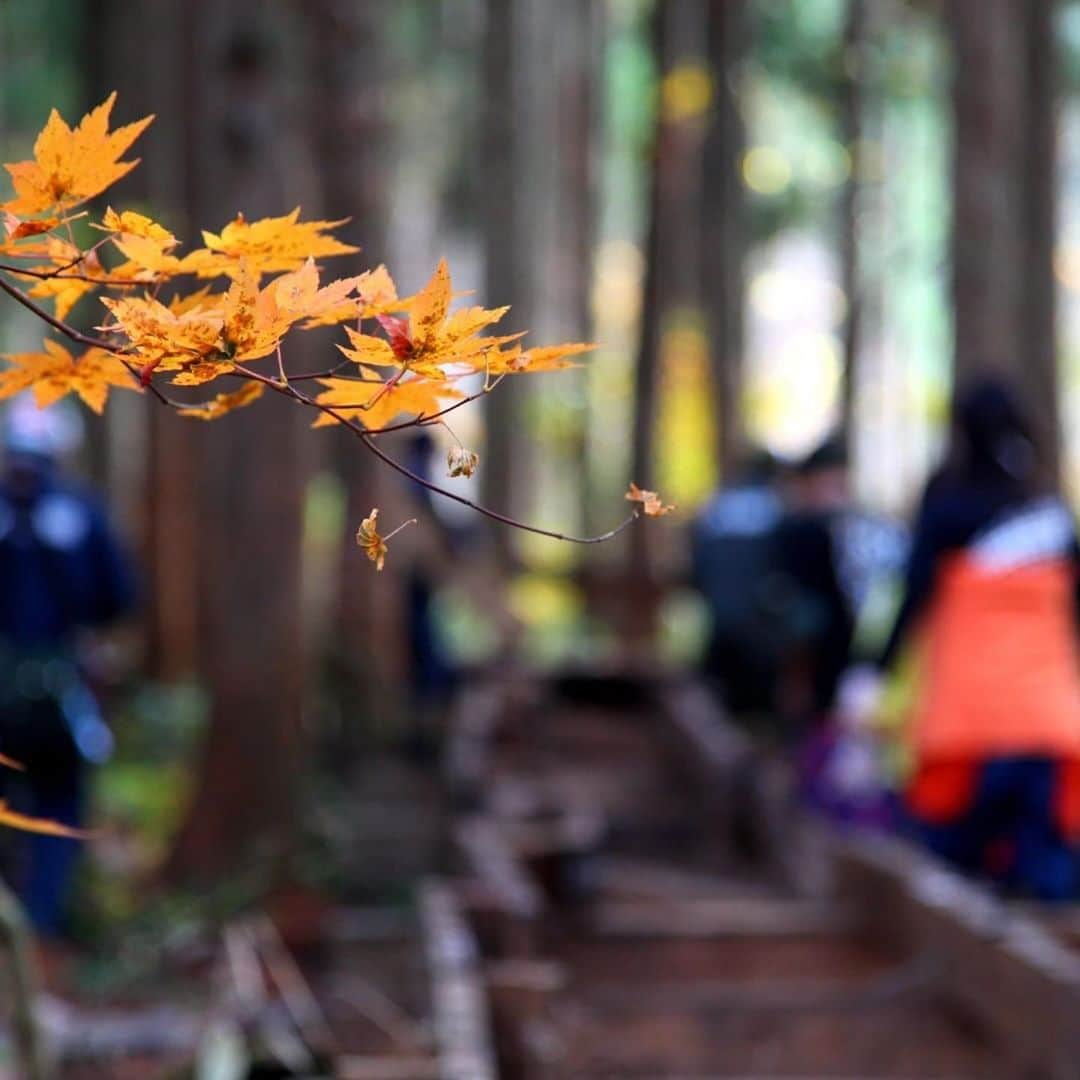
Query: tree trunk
(503, 225)
(723, 251)
(1004, 180)
(351, 140)
(851, 133)
(252, 472)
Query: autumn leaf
(651, 506)
(225, 403)
(167, 339)
(461, 462)
(143, 242)
(17, 229)
(270, 244)
(519, 361)
(376, 404)
(77, 274)
(376, 294)
(367, 536)
(55, 372)
(209, 335)
(429, 342)
(73, 165)
(429, 309)
(13, 819)
(11, 763)
(374, 545)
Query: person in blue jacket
(61, 570)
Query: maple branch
(367, 438)
(325, 374)
(425, 420)
(57, 275)
(57, 324)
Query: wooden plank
(1000, 967)
(461, 1019)
(387, 1068)
(491, 859)
(742, 918)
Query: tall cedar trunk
(503, 222)
(575, 120)
(351, 135)
(251, 474)
(673, 247)
(146, 64)
(851, 133)
(1004, 181)
(722, 250)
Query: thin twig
(57, 324)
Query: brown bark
(140, 54)
(851, 131)
(251, 474)
(1004, 100)
(503, 226)
(351, 136)
(722, 214)
(673, 246)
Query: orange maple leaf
(367, 536)
(225, 403)
(518, 361)
(73, 165)
(167, 339)
(376, 404)
(55, 372)
(13, 819)
(376, 294)
(203, 337)
(271, 244)
(430, 341)
(651, 505)
(143, 242)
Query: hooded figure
(61, 570)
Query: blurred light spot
(1067, 267)
(685, 93)
(826, 164)
(766, 170)
(616, 295)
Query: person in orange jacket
(992, 583)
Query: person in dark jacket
(61, 570)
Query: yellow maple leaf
(271, 244)
(430, 342)
(376, 294)
(375, 404)
(367, 536)
(203, 337)
(167, 339)
(651, 505)
(225, 403)
(73, 165)
(13, 819)
(144, 243)
(429, 309)
(55, 372)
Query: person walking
(992, 588)
(61, 570)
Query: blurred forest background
(777, 218)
